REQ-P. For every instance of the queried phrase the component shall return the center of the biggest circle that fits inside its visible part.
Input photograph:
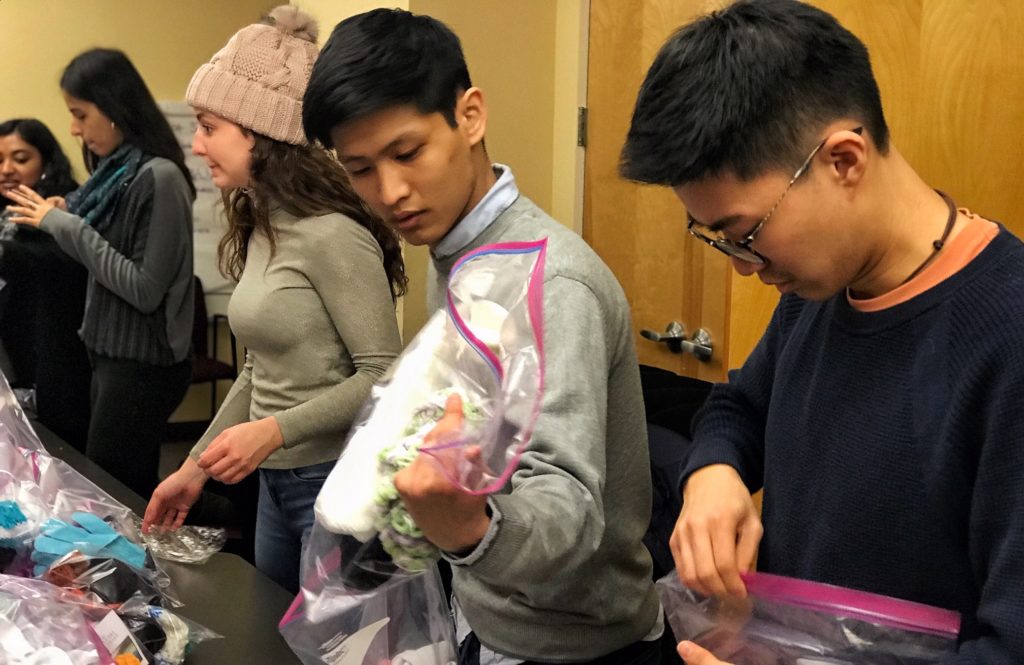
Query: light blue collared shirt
(496, 201)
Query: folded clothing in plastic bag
(487, 347)
(369, 593)
(785, 621)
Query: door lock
(675, 337)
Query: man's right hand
(173, 498)
(717, 534)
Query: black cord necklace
(937, 245)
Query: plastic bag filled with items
(369, 590)
(48, 510)
(65, 541)
(43, 624)
(486, 346)
(786, 621)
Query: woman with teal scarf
(130, 225)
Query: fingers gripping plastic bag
(786, 621)
(486, 346)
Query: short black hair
(746, 90)
(108, 79)
(57, 179)
(380, 59)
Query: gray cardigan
(139, 301)
(562, 574)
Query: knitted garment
(889, 446)
(95, 201)
(257, 80)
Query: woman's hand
(29, 208)
(173, 498)
(238, 450)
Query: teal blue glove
(93, 537)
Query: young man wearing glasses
(881, 409)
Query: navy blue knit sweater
(891, 446)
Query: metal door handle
(675, 337)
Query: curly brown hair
(305, 181)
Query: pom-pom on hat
(257, 80)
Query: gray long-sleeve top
(319, 324)
(562, 574)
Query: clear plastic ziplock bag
(48, 509)
(486, 346)
(401, 621)
(14, 425)
(169, 637)
(41, 624)
(786, 621)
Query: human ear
(847, 155)
(471, 115)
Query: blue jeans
(284, 518)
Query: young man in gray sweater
(552, 569)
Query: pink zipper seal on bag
(853, 604)
(535, 308)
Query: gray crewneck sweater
(562, 575)
(319, 324)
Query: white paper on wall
(208, 223)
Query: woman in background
(43, 296)
(130, 226)
(317, 277)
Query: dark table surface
(226, 594)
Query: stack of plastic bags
(370, 590)
(77, 583)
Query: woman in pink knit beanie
(318, 274)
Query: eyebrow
(718, 224)
(405, 136)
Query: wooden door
(951, 74)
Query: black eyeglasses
(740, 249)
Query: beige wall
(329, 12)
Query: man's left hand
(449, 517)
(695, 655)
